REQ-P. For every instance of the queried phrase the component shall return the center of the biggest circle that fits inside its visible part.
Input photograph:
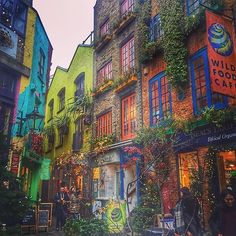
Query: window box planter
(132, 80)
(124, 22)
(103, 88)
(104, 41)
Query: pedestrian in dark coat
(223, 220)
(61, 199)
(187, 220)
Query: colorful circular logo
(116, 214)
(220, 39)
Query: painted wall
(82, 61)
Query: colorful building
(204, 100)
(13, 20)
(68, 123)
(117, 102)
(26, 158)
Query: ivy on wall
(175, 50)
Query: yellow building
(67, 122)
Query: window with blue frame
(193, 6)
(160, 98)
(155, 28)
(201, 90)
(13, 13)
(41, 64)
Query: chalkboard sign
(29, 218)
(47, 206)
(43, 218)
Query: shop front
(207, 162)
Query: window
(126, 7)
(104, 29)
(105, 73)
(41, 64)
(78, 135)
(50, 108)
(13, 14)
(104, 124)
(79, 84)
(155, 28)
(127, 56)
(61, 96)
(60, 136)
(160, 98)
(128, 117)
(201, 91)
(193, 6)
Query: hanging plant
(219, 117)
(63, 122)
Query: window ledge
(132, 80)
(124, 22)
(104, 41)
(59, 145)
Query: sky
(67, 23)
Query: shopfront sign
(221, 54)
(206, 136)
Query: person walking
(61, 199)
(223, 220)
(187, 222)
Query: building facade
(26, 157)
(13, 20)
(205, 154)
(117, 104)
(68, 123)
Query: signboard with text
(221, 54)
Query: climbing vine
(175, 50)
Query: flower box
(101, 44)
(124, 22)
(132, 80)
(102, 88)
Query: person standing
(61, 198)
(223, 220)
(186, 212)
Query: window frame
(104, 28)
(155, 22)
(60, 137)
(50, 109)
(61, 105)
(80, 80)
(13, 13)
(41, 63)
(218, 105)
(129, 134)
(101, 129)
(128, 7)
(192, 10)
(158, 79)
(127, 63)
(106, 73)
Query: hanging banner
(45, 169)
(221, 54)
